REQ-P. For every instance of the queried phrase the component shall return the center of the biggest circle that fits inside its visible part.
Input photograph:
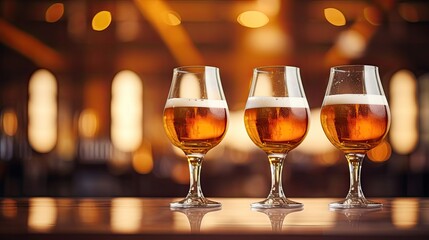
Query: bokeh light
(42, 214)
(335, 16)
(54, 12)
(9, 122)
(269, 40)
(253, 19)
(88, 123)
(101, 20)
(351, 43)
(142, 159)
(381, 153)
(405, 219)
(126, 215)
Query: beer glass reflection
(276, 119)
(277, 216)
(355, 117)
(195, 120)
(195, 216)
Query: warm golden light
(143, 159)
(253, 19)
(101, 20)
(127, 111)
(404, 108)
(335, 16)
(270, 39)
(380, 153)
(42, 214)
(405, 213)
(88, 123)
(351, 43)
(315, 135)
(9, 122)
(190, 87)
(54, 12)
(42, 111)
(236, 137)
(264, 86)
(126, 215)
(172, 19)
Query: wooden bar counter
(152, 218)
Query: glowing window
(403, 104)
(42, 111)
(127, 111)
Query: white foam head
(259, 102)
(355, 99)
(192, 102)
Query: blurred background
(83, 85)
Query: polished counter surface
(152, 218)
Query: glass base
(358, 203)
(199, 202)
(276, 203)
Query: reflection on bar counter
(59, 218)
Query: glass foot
(199, 202)
(361, 203)
(277, 203)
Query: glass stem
(195, 160)
(276, 163)
(355, 164)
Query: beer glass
(276, 119)
(195, 120)
(355, 117)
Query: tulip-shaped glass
(276, 119)
(355, 117)
(196, 120)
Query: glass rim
(355, 67)
(186, 69)
(285, 67)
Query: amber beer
(195, 124)
(276, 125)
(355, 122)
